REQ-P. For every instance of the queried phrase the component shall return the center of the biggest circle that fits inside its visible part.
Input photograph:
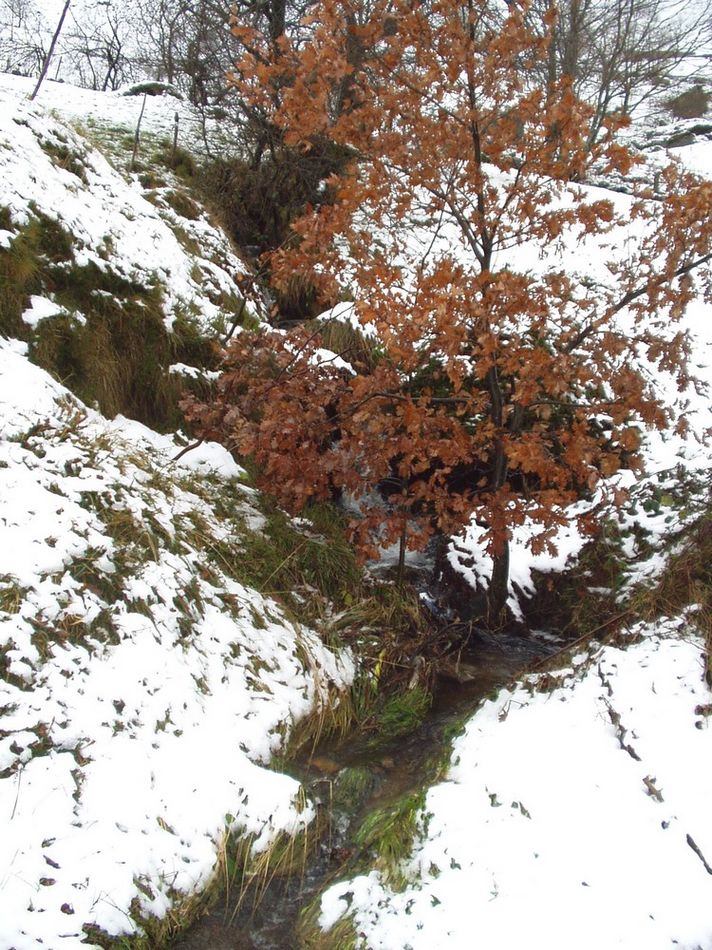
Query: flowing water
(386, 770)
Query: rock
(324, 764)
(684, 138)
(458, 671)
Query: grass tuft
(310, 936)
(403, 712)
(349, 342)
(387, 834)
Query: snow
(145, 690)
(112, 225)
(697, 157)
(547, 832)
(205, 457)
(467, 555)
(40, 309)
(345, 312)
(118, 113)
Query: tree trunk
(499, 587)
(403, 544)
(499, 584)
(48, 57)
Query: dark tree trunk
(499, 587)
(499, 584)
(48, 57)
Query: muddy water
(387, 771)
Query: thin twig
(700, 855)
(186, 449)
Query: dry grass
(246, 875)
(349, 342)
(310, 936)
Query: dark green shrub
(257, 205)
(690, 104)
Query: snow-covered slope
(144, 685)
(47, 169)
(575, 813)
(112, 117)
(144, 688)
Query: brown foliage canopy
(495, 391)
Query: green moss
(352, 786)
(388, 833)
(403, 712)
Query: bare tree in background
(620, 53)
(102, 45)
(23, 41)
(187, 43)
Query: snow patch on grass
(46, 168)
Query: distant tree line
(618, 53)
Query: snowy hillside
(116, 281)
(49, 170)
(144, 687)
(145, 684)
(112, 116)
(147, 678)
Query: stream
(386, 770)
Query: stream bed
(350, 779)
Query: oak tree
(503, 382)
